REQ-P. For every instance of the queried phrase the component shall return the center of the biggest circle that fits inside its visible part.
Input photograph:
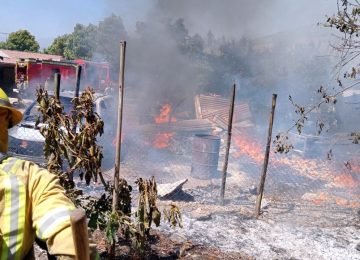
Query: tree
(92, 42)
(59, 45)
(81, 43)
(21, 40)
(109, 33)
(195, 44)
(210, 39)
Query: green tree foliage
(21, 40)
(109, 33)
(81, 43)
(59, 45)
(92, 42)
(2, 45)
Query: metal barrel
(205, 156)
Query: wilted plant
(282, 144)
(72, 139)
(173, 216)
(147, 211)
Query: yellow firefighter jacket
(32, 203)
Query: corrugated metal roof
(213, 106)
(10, 56)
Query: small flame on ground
(321, 198)
(345, 180)
(248, 148)
(324, 198)
(311, 168)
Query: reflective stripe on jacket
(32, 202)
(13, 215)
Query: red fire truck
(30, 73)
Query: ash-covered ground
(310, 209)
(282, 232)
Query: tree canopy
(59, 45)
(79, 44)
(21, 40)
(92, 41)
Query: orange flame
(321, 198)
(248, 148)
(311, 168)
(345, 180)
(162, 139)
(165, 115)
(324, 197)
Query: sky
(47, 19)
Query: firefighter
(32, 202)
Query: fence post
(57, 80)
(119, 124)
(228, 143)
(78, 79)
(266, 158)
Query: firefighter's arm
(51, 211)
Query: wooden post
(57, 80)
(228, 143)
(119, 125)
(78, 78)
(80, 234)
(266, 159)
(76, 95)
(77, 88)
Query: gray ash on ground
(161, 246)
(285, 230)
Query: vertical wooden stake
(119, 125)
(78, 79)
(57, 80)
(80, 234)
(77, 91)
(228, 143)
(266, 159)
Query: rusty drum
(205, 156)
